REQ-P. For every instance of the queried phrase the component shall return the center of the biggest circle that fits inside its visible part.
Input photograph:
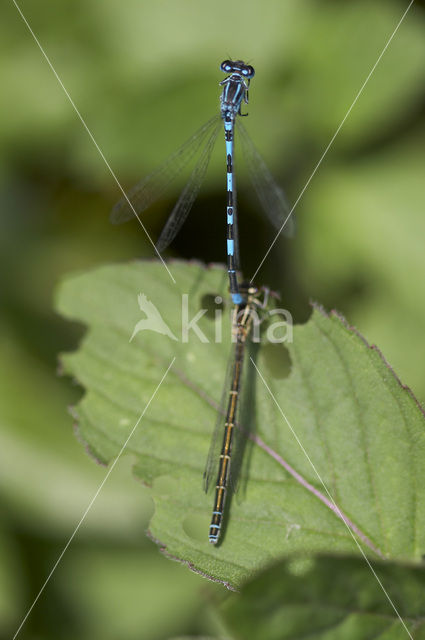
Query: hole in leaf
(212, 302)
(277, 360)
(195, 526)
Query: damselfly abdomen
(244, 314)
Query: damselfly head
(239, 67)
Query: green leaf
(327, 598)
(361, 429)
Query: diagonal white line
(341, 515)
(91, 136)
(92, 501)
(332, 139)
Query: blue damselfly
(271, 196)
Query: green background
(144, 76)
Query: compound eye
(249, 72)
(226, 66)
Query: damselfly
(271, 196)
(244, 314)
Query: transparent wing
(189, 193)
(246, 424)
(148, 190)
(244, 418)
(270, 195)
(211, 467)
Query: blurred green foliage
(144, 77)
(328, 597)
